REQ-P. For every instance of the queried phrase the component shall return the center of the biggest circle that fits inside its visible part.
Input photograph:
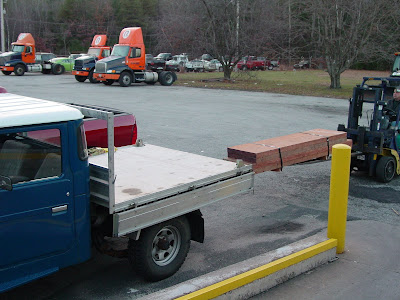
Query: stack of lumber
(275, 153)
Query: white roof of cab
(16, 110)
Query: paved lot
(285, 207)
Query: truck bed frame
(146, 185)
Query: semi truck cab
(21, 58)
(127, 63)
(84, 65)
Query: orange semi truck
(127, 63)
(84, 65)
(22, 58)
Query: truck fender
(130, 71)
(21, 63)
(196, 223)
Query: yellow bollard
(339, 193)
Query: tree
(341, 29)
(226, 29)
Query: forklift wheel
(385, 168)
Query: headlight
(7, 65)
(111, 71)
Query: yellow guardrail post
(338, 195)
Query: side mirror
(5, 183)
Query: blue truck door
(37, 216)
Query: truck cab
(127, 62)
(21, 54)
(84, 65)
(396, 66)
(44, 189)
(21, 58)
(56, 199)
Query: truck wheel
(19, 70)
(57, 69)
(166, 78)
(385, 168)
(108, 82)
(125, 79)
(91, 78)
(80, 78)
(270, 67)
(6, 72)
(161, 249)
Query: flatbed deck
(153, 183)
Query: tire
(270, 68)
(80, 78)
(19, 70)
(46, 71)
(6, 72)
(91, 78)
(166, 78)
(108, 82)
(125, 79)
(161, 249)
(385, 168)
(175, 76)
(57, 69)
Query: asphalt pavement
(368, 269)
(287, 206)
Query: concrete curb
(255, 275)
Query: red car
(253, 63)
(125, 129)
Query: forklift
(373, 126)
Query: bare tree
(341, 29)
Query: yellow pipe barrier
(339, 193)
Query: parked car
(154, 64)
(213, 65)
(303, 64)
(42, 57)
(252, 63)
(275, 63)
(196, 65)
(63, 64)
(177, 62)
(207, 57)
(164, 56)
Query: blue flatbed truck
(56, 201)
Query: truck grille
(101, 67)
(78, 63)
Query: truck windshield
(396, 64)
(94, 51)
(18, 48)
(120, 51)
